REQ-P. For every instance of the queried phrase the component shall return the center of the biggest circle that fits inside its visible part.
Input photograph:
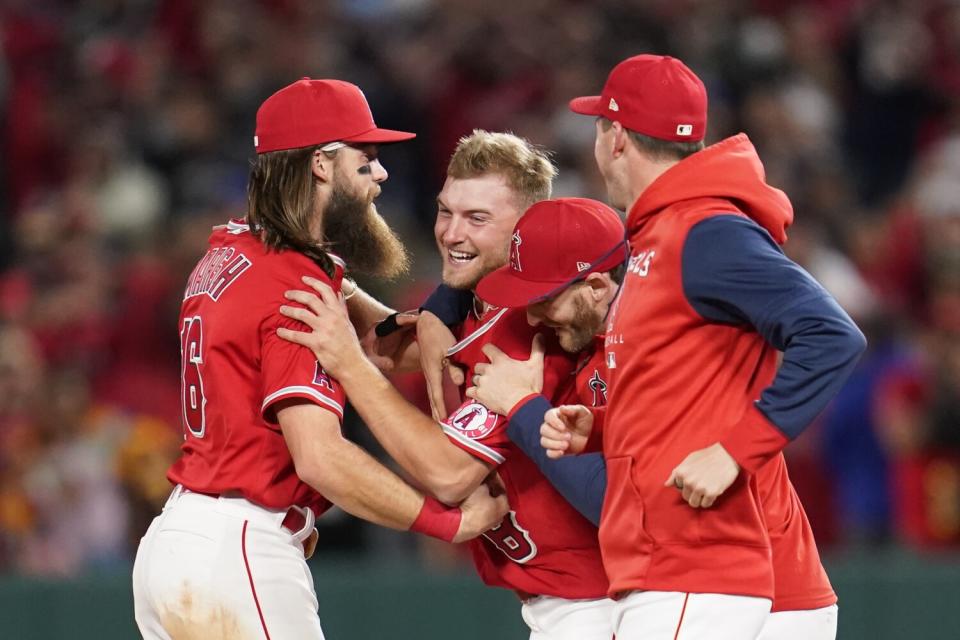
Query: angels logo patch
(474, 420)
(599, 388)
(321, 378)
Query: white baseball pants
(551, 618)
(809, 624)
(218, 568)
(673, 615)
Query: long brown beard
(354, 230)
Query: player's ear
(322, 166)
(619, 139)
(598, 285)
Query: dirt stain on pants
(189, 619)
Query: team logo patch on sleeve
(599, 388)
(321, 378)
(473, 420)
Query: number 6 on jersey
(193, 400)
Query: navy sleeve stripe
(581, 480)
(734, 273)
(449, 304)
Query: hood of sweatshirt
(729, 170)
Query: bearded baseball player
(697, 402)
(544, 549)
(556, 275)
(263, 454)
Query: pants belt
(298, 521)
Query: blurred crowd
(127, 132)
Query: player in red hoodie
(696, 402)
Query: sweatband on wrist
(437, 520)
(387, 326)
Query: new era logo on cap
(613, 105)
(582, 266)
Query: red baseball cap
(310, 112)
(555, 244)
(657, 96)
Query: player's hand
(333, 339)
(481, 512)
(504, 382)
(495, 484)
(397, 351)
(565, 430)
(434, 339)
(704, 475)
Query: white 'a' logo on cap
(613, 105)
(684, 129)
(515, 252)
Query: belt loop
(174, 496)
(309, 522)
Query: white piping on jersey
(480, 448)
(313, 393)
(460, 346)
(235, 228)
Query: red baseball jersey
(235, 369)
(543, 546)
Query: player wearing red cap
(564, 284)
(544, 550)
(697, 404)
(263, 454)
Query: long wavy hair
(281, 201)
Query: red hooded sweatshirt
(681, 382)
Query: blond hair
(526, 168)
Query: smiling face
(475, 220)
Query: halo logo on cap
(515, 252)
